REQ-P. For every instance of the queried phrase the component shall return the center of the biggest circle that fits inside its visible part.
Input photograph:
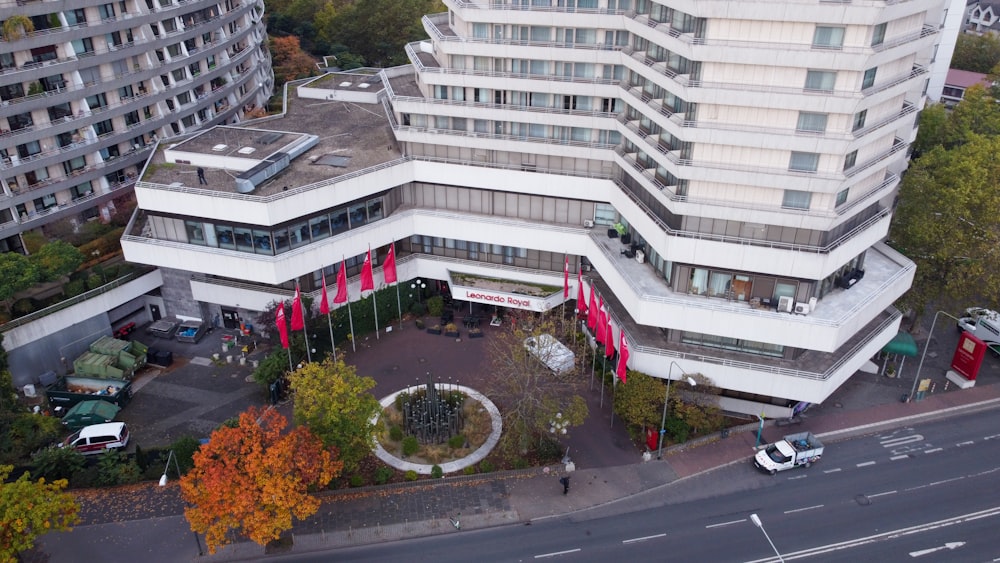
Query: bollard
(229, 359)
(255, 363)
(224, 347)
(243, 361)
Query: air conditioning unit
(801, 308)
(785, 304)
(586, 267)
(640, 256)
(588, 224)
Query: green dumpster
(86, 413)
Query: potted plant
(475, 332)
(451, 330)
(436, 329)
(17, 26)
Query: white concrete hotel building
(752, 149)
(84, 96)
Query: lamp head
(163, 479)
(692, 382)
(756, 520)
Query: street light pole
(756, 522)
(924, 354)
(163, 483)
(666, 395)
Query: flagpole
(605, 360)
(350, 318)
(368, 259)
(305, 328)
(614, 386)
(333, 346)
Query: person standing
(201, 176)
(564, 481)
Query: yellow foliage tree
(254, 479)
(29, 509)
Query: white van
(97, 438)
(554, 354)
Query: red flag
(297, 323)
(602, 323)
(341, 296)
(279, 319)
(324, 306)
(609, 340)
(367, 283)
(581, 300)
(389, 267)
(592, 310)
(622, 356)
(566, 279)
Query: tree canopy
(528, 394)
(946, 218)
(29, 509)
(17, 273)
(289, 61)
(976, 53)
(254, 479)
(57, 258)
(335, 404)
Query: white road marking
(992, 437)
(721, 524)
(933, 450)
(949, 545)
(803, 509)
(556, 553)
(634, 540)
(893, 442)
(866, 464)
(797, 477)
(898, 457)
(969, 443)
(835, 470)
(881, 494)
(945, 481)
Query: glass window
(878, 34)
(784, 290)
(319, 227)
(358, 215)
(699, 281)
(719, 284)
(859, 119)
(338, 221)
(803, 161)
(374, 209)
(842, 197)
(811, 122)
(224, 234)
(298, 234)
(795, 199)
(850, 160)
(821, 80)
(262, 242)
(869, 79)
(828, 37)
(281, 241)
(195, 232)
(244, 239)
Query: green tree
(976, 53)
(58, 463)
(335, 404)
(946, 223)
(57, 258)
(528, 394)
(639, 402)
(29, 509)
(377, 30)
(17, 273)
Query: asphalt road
(926, 493)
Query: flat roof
(351, 136)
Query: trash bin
(725, 433)
(905, 398)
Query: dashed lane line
(557, 553)
(865, 464)
(644, 538)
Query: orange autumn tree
(289, 61)
(253, 479)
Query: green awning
(903, 345)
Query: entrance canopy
(514, 294)
(902, 345)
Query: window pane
(244, 239)
(859, 119)
(828, 37)
(224, 234)
(878, 34)
(850, 160)
(869, 79)
(338, 221)
(358, 215)
(795, 199)
(319, 227)
(804, 161)
(812, 122)
(842, 197)
(262, 242)
(821, 80)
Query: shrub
(418, 309)
(470, 470)
(23, 306)
(141, 458)
(58, 463)
(184, 449)
(411, 475)
(356, 480)
(115, 469)
(520, 463)
(486, 466)
(382, 475)
(86, 477)
(395, 433)
(74, 288)
(456, 442)
(94, 281)
(410, 446)
(437, 472)
(435, 305)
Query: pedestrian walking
(565, 483)
(201, 176)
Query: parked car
(97, 438)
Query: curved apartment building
(749, 151)
(86, 93)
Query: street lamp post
(418, 285)
(927, 345)
(756, 522)
(666, 395)
(163, 483)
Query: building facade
(88, 87)
(723, 174)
